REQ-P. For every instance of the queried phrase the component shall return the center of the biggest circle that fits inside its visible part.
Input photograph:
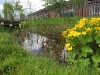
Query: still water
(41, 45)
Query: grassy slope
(14, 60)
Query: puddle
(42, 45)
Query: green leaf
(89, 39)
(97, 38)
(86, 49)
(83, 62)
(82, 40)
(96, 60)
(84, 54)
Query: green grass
(14, 60)
(51, 27)
(50, 21)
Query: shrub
(83, 43)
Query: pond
(41, 45)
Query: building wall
(92, 8)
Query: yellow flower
(74, 28)
(70, 48)
(75, 33)
(84, 33)
(67, 45)
(97, 28)
(94, 21)
(64, 33)
(88, 29)
(84, 20)
(69, 35)
(99, 45)
(80, 25)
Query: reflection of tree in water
(45, 46)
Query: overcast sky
(35, 4)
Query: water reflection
(38, 44)
(34, 42)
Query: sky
(35, 4)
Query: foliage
(54, 3)
(69, 21)
(84, 41)
(12, 6)
(78, 1)
(17, 6)
(7, 5)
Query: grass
(51, 27)
(15, 60)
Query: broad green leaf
(89, 39)
(97, 38)
(86, 49)
(84, 54)
(83, 62)
(82, 40)
(96, 60)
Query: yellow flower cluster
(88, 29)
(83, 27)
(73, 34)
(83, 32)
(94, 21)
(82, 23)
(68, 46)
(97, 28)
(64, 33)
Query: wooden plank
(5, 22)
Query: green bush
(83, 42)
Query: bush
(83, 43)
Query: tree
(54, 3)
(17, 6)
(7, 5)
(12, 6)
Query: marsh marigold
(68, 46)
